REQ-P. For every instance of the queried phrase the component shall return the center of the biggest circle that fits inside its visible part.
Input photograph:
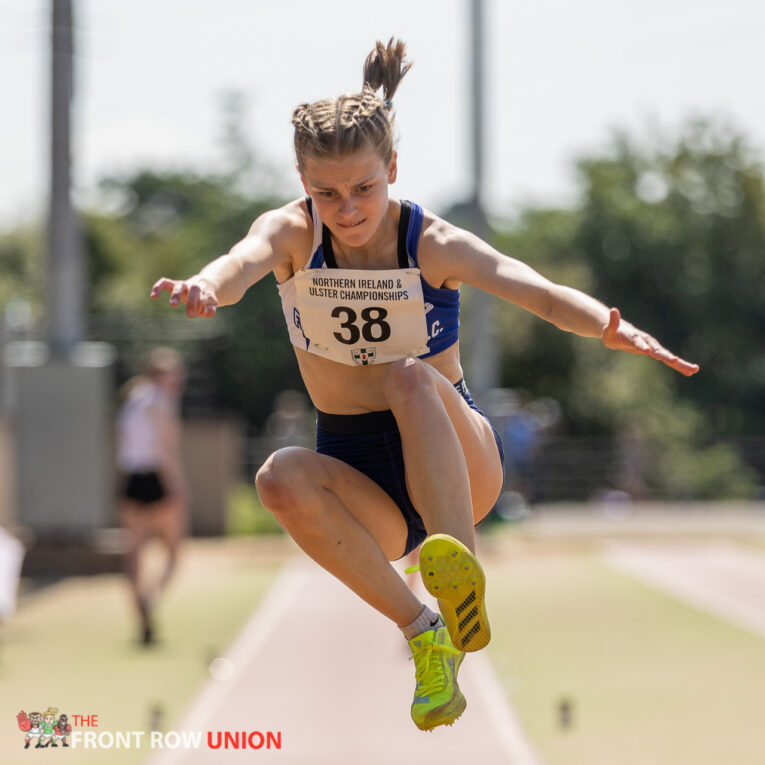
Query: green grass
(72, 646)
(652, 681)
(246, 514)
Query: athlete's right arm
(268, 246)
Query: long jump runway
(332, 677)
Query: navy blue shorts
(371, 443)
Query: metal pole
(483, 361)
(65, 267)
(477, 100)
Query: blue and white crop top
(359, 316)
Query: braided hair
(335, 127)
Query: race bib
(361, 317)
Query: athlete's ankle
(427, 620)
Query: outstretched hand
(622, 336)
(196, 293)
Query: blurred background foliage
(669, 229)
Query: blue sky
(561, 75)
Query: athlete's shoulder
(440, 242)
(438, 234)
(291, 220)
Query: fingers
(199, 300)
(652, 348)
(178, 293)
(177, 289)
(623, 336)
(161, 284)
(679, 365)
(657, 351)
(686, 367)
(192, 301)
(660, 353)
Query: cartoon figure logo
(61, 730)
(44, 727)
(48, 721)
(31, 726)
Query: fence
(565, 468)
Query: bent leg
(453, 469)
(344, 521)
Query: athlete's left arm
(449, 255)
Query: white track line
(277, 602)
(655, 567)
(503, 719)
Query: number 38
(374, 328)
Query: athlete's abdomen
(341, 389)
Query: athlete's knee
(406, 380)
(281, 480)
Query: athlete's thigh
(169, 522)
(137, 521)
(365, 500)
(479, 446)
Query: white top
(354, 316)
(139, 424)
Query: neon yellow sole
(453, 575)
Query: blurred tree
(154, 223)
(171, 225)
(674, 236)
(22, 255)
(537, 356)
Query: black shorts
(371, 443)
(144, 488)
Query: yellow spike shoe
(437, 697)
(453, 575)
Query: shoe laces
(429, 666)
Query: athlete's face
(350, 193)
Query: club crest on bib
(363, 356)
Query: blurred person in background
(153, 500)
(11, 558)
(291, 422)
